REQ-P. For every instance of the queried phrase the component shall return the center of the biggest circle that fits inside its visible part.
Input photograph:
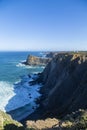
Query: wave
(18, 95)
(23, 61)
(29, 66)
(6, 93)
(20, 65)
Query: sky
(34, 25)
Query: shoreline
(25, 111)
(38, 114)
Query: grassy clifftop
(7, 123)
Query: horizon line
(41, 50)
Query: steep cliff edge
(65, 84)
(34, 60)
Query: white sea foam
(29, 66)
(18, 95)
(6, 93)
(20, 65)
(23, 61)
(23, 65)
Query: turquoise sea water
(14, 84)
(10, 67)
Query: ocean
(17, 97)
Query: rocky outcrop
(65, 84)
(42, 124)
(74, 121)
(34, 60)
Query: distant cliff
(65, 83)
(34, 60)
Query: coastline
(23, 112)
(29, 81)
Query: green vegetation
(7, 123)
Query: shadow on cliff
(13, 127)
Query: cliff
(65, 84)
(34, 60)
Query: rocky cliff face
(65, 84)
(34, 60)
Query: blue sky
(43, 25)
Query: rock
(65, 83)
(42, 124)
(34, 60)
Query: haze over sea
(14, 83)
